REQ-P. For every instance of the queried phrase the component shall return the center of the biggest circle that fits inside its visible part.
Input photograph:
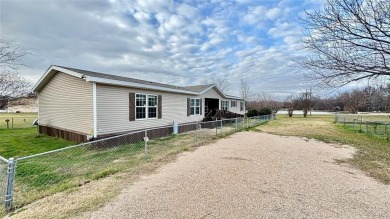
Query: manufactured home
(76, 104)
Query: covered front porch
(213, 110)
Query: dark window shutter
(200, 110)
(159, 106)
(188, 106)
(131, 106)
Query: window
(194, 106)
(145, 106)
(225, 105)
(152, 106)
(242, 106)
(233, 103)
(140, 106)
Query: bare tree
(12, 84)
(353, 100)
(347, 41)
(222, 83)
(304, 101)
(290, 104)
(245, 90)
(264, 100)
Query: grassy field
(17, 120)
(373, 154)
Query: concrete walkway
(255, 175)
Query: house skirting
(64, 134)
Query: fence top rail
(3, 159)
(116, 136)
(17, 117)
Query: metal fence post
(221, 126)
(236, 125)
(197, 132)
(216, 128)
(10, 184)
(344, 121)
(146, 139)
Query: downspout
(95, 130)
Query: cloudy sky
(175, 42)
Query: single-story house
(74, 103)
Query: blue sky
(175, 42)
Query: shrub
(264, 111)
(252, 112)
(260, 112)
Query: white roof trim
(221, 93)
(136, 85)
(211, 86)
(50, 73)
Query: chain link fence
(40, 175)
(370, 124)
(16, 122)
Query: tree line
(370, 98)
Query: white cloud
(273, 13)
(179, 43)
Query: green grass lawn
(23, 142)
(373, 154)
(17, 120)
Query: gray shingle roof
(199, 88)
(121, 78)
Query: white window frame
(152, 106)
(195, 106)
(225, 105)
(235, 103)
(241, 105)
(146, 106)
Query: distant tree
(245, 90)
(353, 100)
(222, 83)
(347, 41)
(12, 85)
(304, 101)
(264, 100)
(290, 104)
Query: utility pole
(310, 102)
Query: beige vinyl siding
(237, 108)
(113, 109)
(66, 102)
(213, 93)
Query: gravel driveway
(255, 175)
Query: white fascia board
(218, 90)
(207, 89)
(49, 73)
(136, 85)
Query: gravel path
(255, 175)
